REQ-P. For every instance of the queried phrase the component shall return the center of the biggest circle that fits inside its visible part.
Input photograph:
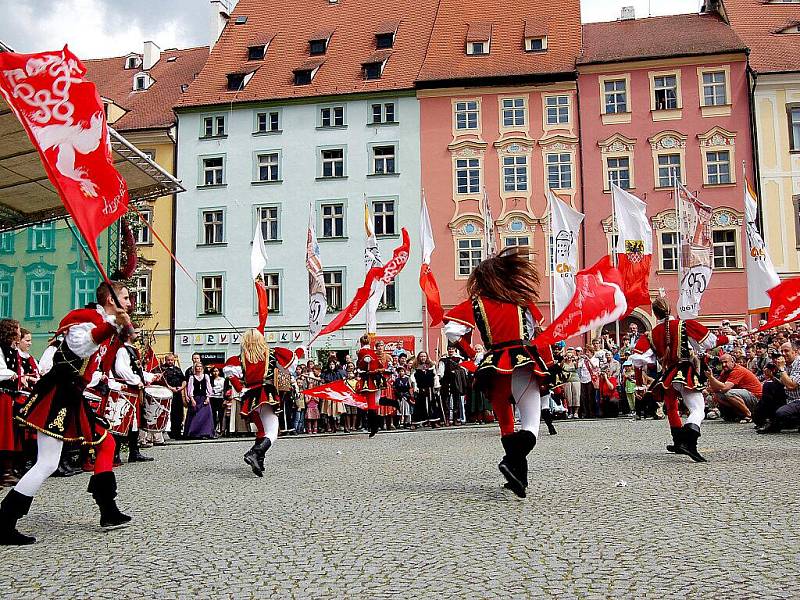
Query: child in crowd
(402, 393)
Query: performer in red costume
(669, 343)
(255, 368)
(58, 410)
(502, 294)
(371, 365)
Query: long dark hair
(9, 329)
(511, 277)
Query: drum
(157, 404)
(120, 411)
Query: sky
(98, 28)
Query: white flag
(695, 264)
(761, 275)
(489, 246)
(565, 223)
(426, 233)
(372, 258)
(258, 253)
(634, 246)
(317, 300)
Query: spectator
(199, 417)
(218, 386)
(176, 382)
(453, 378)
(761, 358)
(789, 376)
(423, 387)
(572, 383)
(737, 389)
(587, 375)
(351, 412)
(773, 396)
(402, 393)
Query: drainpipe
(754, 139)
(583, 183)
(174, 243)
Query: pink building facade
(642, 115)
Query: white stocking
(47, 458)
(270, 422)
(525, 389)
(696, 405)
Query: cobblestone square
(423, 515)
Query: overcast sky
(97, 28)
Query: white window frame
(670, 179)
(334, 217)
(266, 222)
(469, 169)
(141, 286)
(334, 114)
(334, 290)
(208, 286)
(268, 121)
(272, 282)
(713, 167)
(469, 254)
(612, 173)
(205, 169)
(726, 246)
(557, 167)
(513, 113)
(142, 236)
(269, 162)
(673, 245)
(383, 209)
(380, 163)
(562, 110)
(207, 226)
(332, 161)
(383, 113)
(466, 111)
(515, 170)
(214, 126)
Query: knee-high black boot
(13, 507)
(251, 458)
(547, 417)
(514, 465)
(690, 433)
(133, 449)
(373, 422)
(677, 436)
(261, 449)
(103, 487)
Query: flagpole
(550, 257)
(614, 258)
(678, 236)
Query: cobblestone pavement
(423, 515)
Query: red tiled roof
(657, 37)
(295, 23)
(756, 22)
(150, 108)
(447, 59)
(479, 32)
(535, 29)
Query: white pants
(525, 389)
(47, 458)
(694, 402)
(270, 422)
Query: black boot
(690, 433)
(133, 449)
(251, 457)
(676, 440)
(261, 449)
(103, 487)
(769, 426)
(13, 507)
(373, 422)
(547, 417)
(514, 465)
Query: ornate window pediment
(467, 148)
(515, 145)
(721, 217)
(39, 269)
(559, 142)
(667, 140)
(467, 225)
(616, 143)
(717, 136)
(516, 223)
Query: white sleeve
(5, 372)
(123, 370)
(46, 362)
(232, 371)
(80, 341)
(149, 377)
(641, 361)
(455, 331)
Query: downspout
(583, 181)
(174, 243)
(754, 139)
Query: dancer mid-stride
(502, 294)
(255, 367)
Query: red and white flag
(384, 274)
(337, 391)
(372, 258)
(258, 261)
(784, 307)
(64, 118)
(695, 264)
(598, 300)
(317, 301)
(426, 279)
(761, 275)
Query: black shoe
(374, 422)
(139, 457)
(13, 507)
(690, 433)
(103, 487)
(512, 478)
(547, 417)
(261, 449)
(251, 458)
(676, 440)
(769, 426)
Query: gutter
(174, 245)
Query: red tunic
(371, 377)
(259, 378)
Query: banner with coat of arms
(695, 264)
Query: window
(470, 254)
(42, 237)
(384, 40)
(331, 116)
(140, 294)
(714, 90)
(236, 81)
(303, 76)
(724, 243)
(84, 287)
(616, 96)
(333, 163)
(559, 171)
(383, 113)
(213, 171)
(212, 294)
(536, 44)
(513, 112)
(557, 110)
(131, 62)
(518, 240)
(269, 217)
(383, 160)
(140, 82)
(718, 165)
(467, 114)
(256, 52)
(7, 242)
(515, 173)
(332, 220)
(373, 70)
(214, 126)
(213, 227)
(272, 283)
(268, 122)
(389, 298)
(665, 89)
(142, 230)
(317, 47)
(794, 127)
(669, 251)
(669, 169)
(333, 289)
(468, 175)
(6, 288)
(384, 217)
(478, 48)
(268, 167)
(40, 299)
(619, 172)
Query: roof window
(240, 20)
(535, 37)
(132, 62)
(304, 74)
(257, 48)
(141, 81)
(384, 35)
(479, 37)
(237, 81)
(318, 43)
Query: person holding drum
(59, 412)
(128, 370)
(10, 386)
(256, 366)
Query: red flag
(337, 391)
(385, 273)
(431, 290)
(598, 300)
(263, 304)
(784, 304)
(64, 118)
(150, 362)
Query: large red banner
(64, 118)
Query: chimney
(627, 13)
(151, 55)
(220, 14)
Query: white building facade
(249, 164)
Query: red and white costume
(371, 375)
(10, 373)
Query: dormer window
(384, 40)
(478, 38)
(318, 43)
(373, 70)
(478, 48)
(141, 82)
(132, 62)
(793, 28)
(304, 74)
(256, 52)
(536, 44)
(237, 81)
